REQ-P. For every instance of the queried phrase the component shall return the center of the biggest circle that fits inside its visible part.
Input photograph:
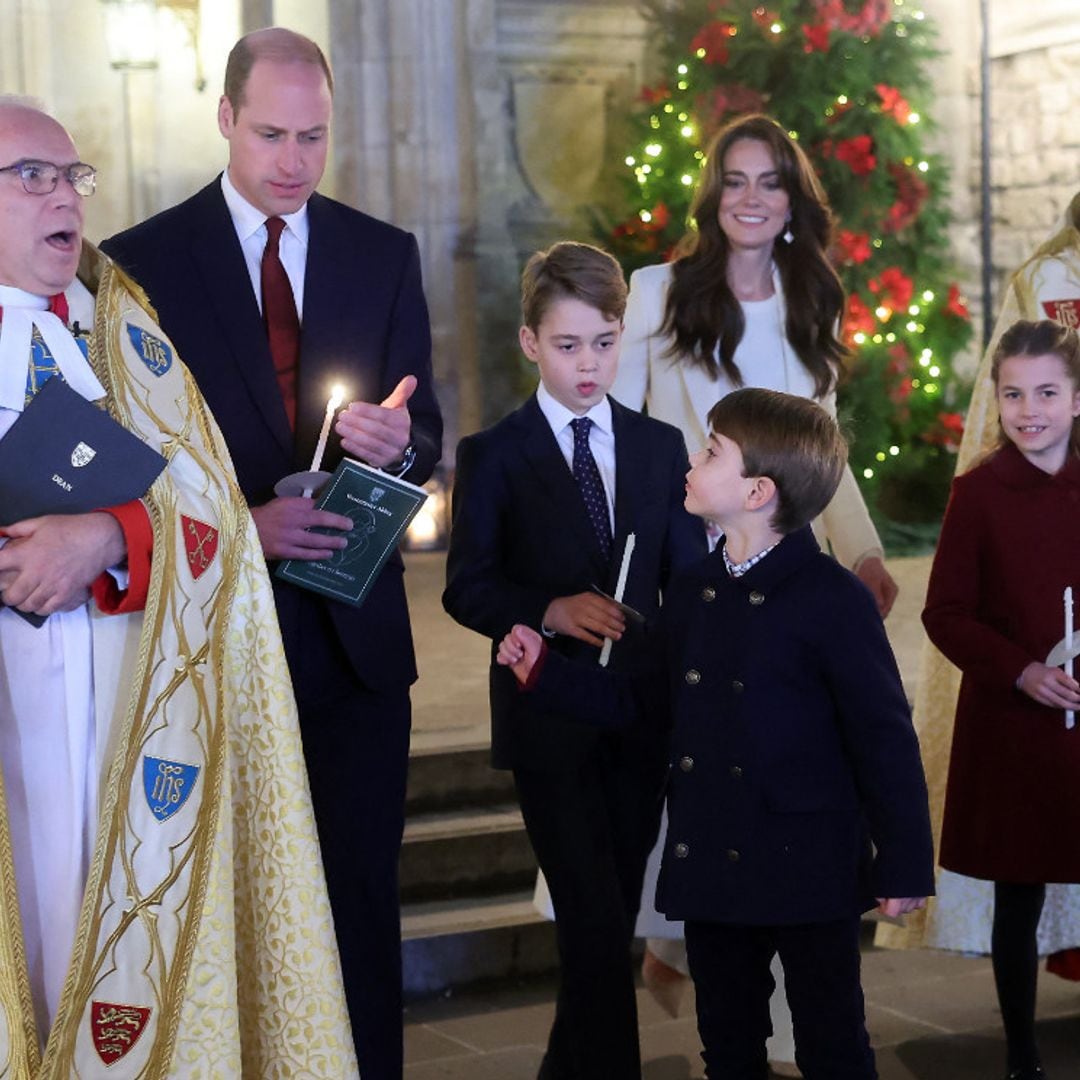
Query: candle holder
(304, 484)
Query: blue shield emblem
(156, 354)
(167, 785)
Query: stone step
(447, 778)
(469, 853)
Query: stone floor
(931, 1015)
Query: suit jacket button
(693, 677)
(686, 763)
(733, 855)
(736, 772)
(708, 593)
(680, 851)
(757, 598)
(737, 686)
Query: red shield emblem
(1066, 312)
(116, 1028)
(200, 542)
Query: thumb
(20, 529)
(401, 393)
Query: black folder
(65, 455)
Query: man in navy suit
(544, 503)
(272, 294)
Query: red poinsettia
(955, 304)
(868, 21)
(900, 362)
(815, 38)
(911, 192)
(764, 17)
(948, 431)
(713, 39)
(858, 319)
(730, 100)
(852, 247)
(644, 236)
(893, 288)
(893, 103)
(901, 391)
(857, 153)
(653, 95)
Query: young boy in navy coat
(796, 796)
(544, 502)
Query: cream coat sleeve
(644, 313)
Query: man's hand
(283, 525)
(49, 563)
(519, 651)
(378, 434)
(1050, 686)
(872, 573)
(587, 616)
(900, 905)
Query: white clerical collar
(559, 416)
(22, 312)
(248, 219)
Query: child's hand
(1050, 686)
(587, 616)
(872, 573)
(900, 905)
(519, 651)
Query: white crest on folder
(82, 455)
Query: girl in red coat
(1007, 551)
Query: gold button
(686, 764)
(680, 851)
(737, 686)
(757, 598)
(708, 593)
(733, 855)
(736, 772)
(693, 677)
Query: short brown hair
(578, 271)
(272, 43)
(790, 439)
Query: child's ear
(529, 344)
(762, 492)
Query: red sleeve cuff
(534, 675)
(134, 521)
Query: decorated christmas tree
(847, 79)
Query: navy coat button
(736, 772)
(693, 677)
(686, 764)
(737, 686)
(708, 593)
(757, 598)
(733, 855)
(680, 851)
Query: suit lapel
(549, 470)
(218, 258)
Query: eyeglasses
(41, 177)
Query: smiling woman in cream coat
(750, 300)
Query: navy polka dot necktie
(588, 479)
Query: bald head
(277, 45)
(40, 235)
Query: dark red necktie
(58, 305)
(279, 315)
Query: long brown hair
(702, 311)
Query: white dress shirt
(601, 439)
(250, 225)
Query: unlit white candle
(336, 398)
(620, 589)
(1070, 716)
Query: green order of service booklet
(381, 507)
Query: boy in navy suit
(796, 799)
(544, 502)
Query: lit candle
(337, 396)
(1070, 716)
(620, 589)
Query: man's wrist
(408, 456)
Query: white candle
(620, 589)
(337, 396)
(1070, 716)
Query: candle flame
(337, 396)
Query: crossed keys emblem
(200, 543)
